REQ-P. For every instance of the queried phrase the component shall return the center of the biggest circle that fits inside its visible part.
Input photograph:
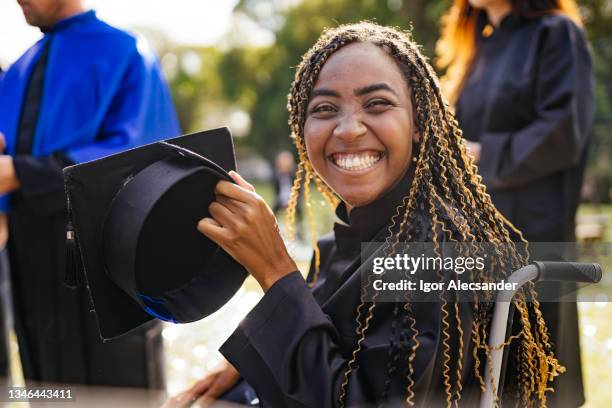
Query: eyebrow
(323, 92)
(358, 92)
(374, 87)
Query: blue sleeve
(141, 111)
(5, 203)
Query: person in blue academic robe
(84, 91)
(3, 334)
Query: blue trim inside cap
(156, 308)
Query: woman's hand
(205, 391)
(245, 227)
(8, 177)
(3, 231)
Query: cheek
(399, 161)
(396, 136)
(315, 139)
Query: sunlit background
(231, 62)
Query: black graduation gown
(56, 329)
(293, 347)
(528, 99)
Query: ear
(416, 136)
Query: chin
(33, 20)
(355, 199)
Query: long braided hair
(447, 191)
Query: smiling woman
(359, 131)
(376, 137)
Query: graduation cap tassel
(74, 274)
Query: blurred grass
(600, 209)
(596, 333)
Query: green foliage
(257, 79)
(296, 29)
(598, 21)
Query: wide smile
(356, 161)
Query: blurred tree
(598, 21)
(256, 79)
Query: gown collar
(364, 222)
(80, 18)
(487, 30)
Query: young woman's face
(359, 126)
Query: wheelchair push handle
(568, 271)
(536, 271)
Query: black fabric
(292, 348)
(152, 249)
(96, 189)
(31, 104)
(528, 100)
(4, 339)
(57, 334)
(41, 182)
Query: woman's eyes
(377, 105)
(325, 108)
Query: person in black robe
(525, 105)
(371, 130)
(58, 335)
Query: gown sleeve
(41, 181)
(288, 349)
(555, 140)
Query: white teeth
(356, 161)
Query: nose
(350, 127)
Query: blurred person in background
(4, 340)
(520, 76)
(284, 175)
(85, 90)
(3, 335)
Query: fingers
(241, 182)
(241, 191)
(183, 400)
(234, 191)
(221, 214)
(232, 205)
(3, 231)
(204, 402)
(188, 397)
(213, 230)
(213, 392)
(202, 386)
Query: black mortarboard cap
(132, 222)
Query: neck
(67, 10)
(497, 11)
